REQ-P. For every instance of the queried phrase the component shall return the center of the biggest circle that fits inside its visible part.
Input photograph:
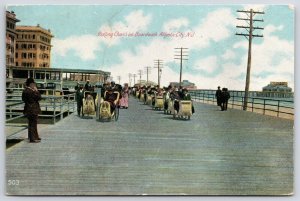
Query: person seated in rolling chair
(186, 96)
(111, 97)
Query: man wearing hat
(218, 96)
(31, 97)
(87, 86)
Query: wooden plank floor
(147, 152)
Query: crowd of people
(107, 94)
(31, 98)
(174, 93)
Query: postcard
(149, 100)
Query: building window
(34, 46)
(24, 55)
(33, 36)
(25, 36)
(17, 46)
(17, 64)
(7, 24)
(24, 46)
(17, 55)
(34, 55)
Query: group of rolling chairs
(107, 105)
(166, 103)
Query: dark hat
(29, 81)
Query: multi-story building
(33, 47)
(11, 36)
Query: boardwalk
(147, 152)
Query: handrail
(58, 104)
(255, 104)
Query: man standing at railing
(224, 99)
(218, 96)
(31, 97)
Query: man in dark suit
(218, 96)
(31, 97)
(225, 96)
(87, 86)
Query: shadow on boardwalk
(145, 152)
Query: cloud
(84, 46)
(256, 7)
(208, 64)
(216, 26)
(229, 55)
(135, 21)
(273, 55)
(175, 24)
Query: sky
(123, 39)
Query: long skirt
(124, 100)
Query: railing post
(10, 111)
(252, 103)
(242, 102)
(264, 112)
(74, 103)
(61, 107)
(278, 102)
(54, 110)
(68, 104)
(233, 101)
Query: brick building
(33, 47)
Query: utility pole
(129, 75)
(250, 28)
(148, 70)
(181, 54)
(158, 64)
(119, 78)
(140, 72)
(134, 75)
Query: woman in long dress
(124, 99)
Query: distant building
(184, 84)
(33, 47)
(144, 83)
(278, 90)
(11, 36)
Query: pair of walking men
(222, 98)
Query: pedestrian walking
(124, 99)
(31, 97)
(79, 99)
